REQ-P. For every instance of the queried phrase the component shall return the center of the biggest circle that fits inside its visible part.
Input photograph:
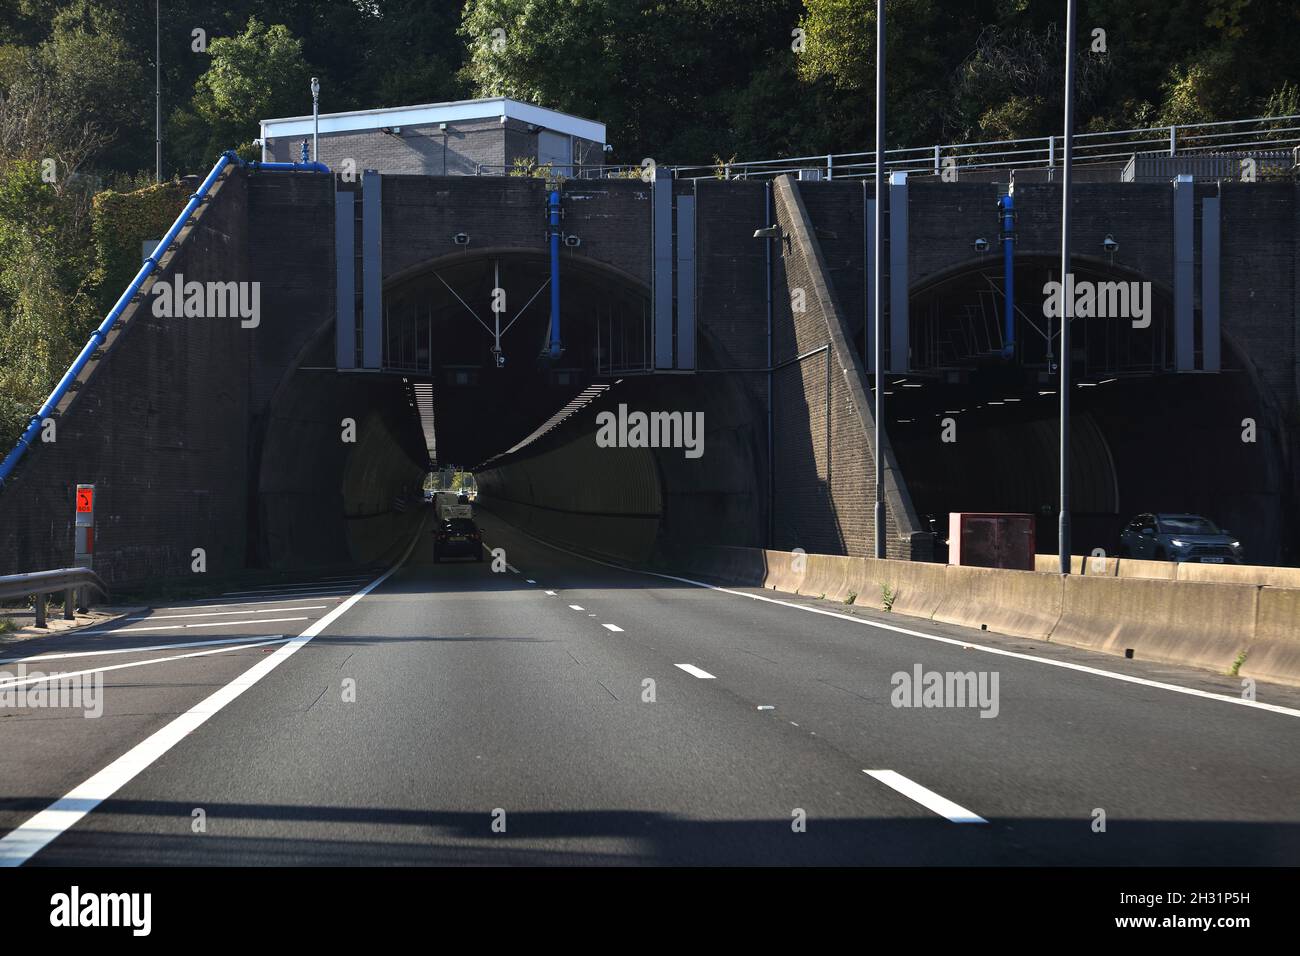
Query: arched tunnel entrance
(463, 385)
(977, 429)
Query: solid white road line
(577, 607)
(173, 627)
(926, 798)
(966, 645)
(205, 607)
(64, 675)
(20, 844)
(696, 672)
(269, 610)
(612, 627)
(126, 650)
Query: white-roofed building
(440, 139)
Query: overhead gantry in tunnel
(975, 421)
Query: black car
(457, 538)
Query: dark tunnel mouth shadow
(670, 838)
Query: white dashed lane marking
(696, 672)
(926, 798)
(612, 627)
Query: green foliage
(45, 309)
(121, 223)
(258, 74)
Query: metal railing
(1111, 146)
(100, 336)
(39, 584)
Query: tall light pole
(1063, 527)
(877, 268)
(315, 118)
(157, 90)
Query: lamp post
(1063, 528)
(315, 118)
(157, 90)
(877, 270)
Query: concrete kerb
(1206, 625)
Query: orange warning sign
(85, 501)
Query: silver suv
(1175, 537)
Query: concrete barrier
(1147, 570)
(833, 577)
(1079, 564)
(916, 587)
(1274, 653)
(1020, 603)
(1206, 625)
(1240, 574)
(1199, 623)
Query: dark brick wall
(159, 425)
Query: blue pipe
(1007, 205)
(554, 204)
(98, 337)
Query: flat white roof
(433, 113)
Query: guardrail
(100, 335)
(1111, 146)
(39, 584)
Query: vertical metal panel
(1210, 328)
(372, 271)
(662, 282)
(686, 282)
(1184, 331)
(870, 277)
(345, 280)
(898, 317)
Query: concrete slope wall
(159, 425)
(825, 482)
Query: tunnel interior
(521, 419)
(975, 429)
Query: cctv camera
(981, 245)
(1109, 244)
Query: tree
(255, 75)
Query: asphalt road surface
(564, 711)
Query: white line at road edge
(1081, 668)
(25, 841)
(696, 672)
(926, 798)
